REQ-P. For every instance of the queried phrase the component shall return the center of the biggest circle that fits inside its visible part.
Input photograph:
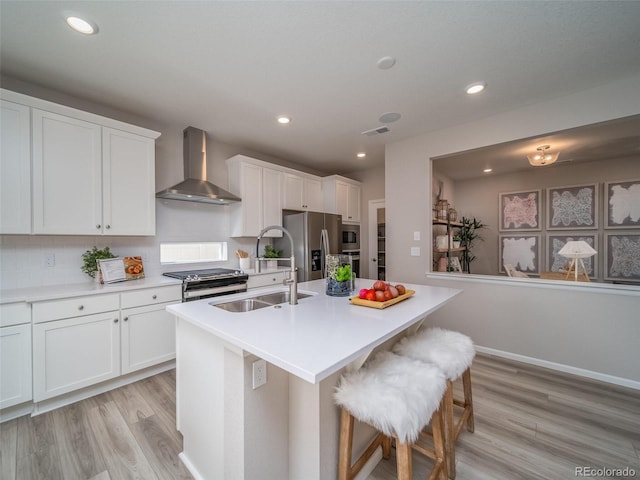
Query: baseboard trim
(581, 372)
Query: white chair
(398, 396)
(453, 353)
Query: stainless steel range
(212, 282)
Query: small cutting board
(388, 303)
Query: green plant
(468, 235)
(343, 273)
(271, 252)
(90, 257)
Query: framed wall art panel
(556, 262)
(622, 204)
(622, 257)
(519, 210)
(573, 207)
(522, 251)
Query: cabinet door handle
(125, 319)
(154, 297)
(98, 226)
(81, 307)
(115, 320)
(108, 227)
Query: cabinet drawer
(151, 296)
(74, 307)
(265, 280)
(14, 314)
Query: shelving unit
(450, 251)
(381, 251)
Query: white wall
(408, 183)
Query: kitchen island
(288, 427)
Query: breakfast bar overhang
(288, 427)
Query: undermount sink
(257, 302)
(244, 305)
(278, 297)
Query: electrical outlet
(50, 259)
(259, 373)
(415, 251)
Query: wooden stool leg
(468, 399)
(403, 460)
(346, 445)
(438, 427)
(386, 447)
(449, 430)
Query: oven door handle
(208, 291)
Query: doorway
(377, 239)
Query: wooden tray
(388, 303)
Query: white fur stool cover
(396, 395)
(451, 351)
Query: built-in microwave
(350, 238)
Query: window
(192, 252)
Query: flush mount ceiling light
(361, 155)
(389, 117)
(542, 156)
(488, 170)
(283, 119)
(475, 88)
(81, 25)
(385, 63)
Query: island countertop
(318, 336)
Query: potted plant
(271, 252)
(468, 235)
(457, 241)
(90, 259)
(339, 275)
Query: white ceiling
(231, 67)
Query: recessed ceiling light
(488, 170)
(361, 155)
(385, 63)
(81, 25)
(475, 88)
(284, 119)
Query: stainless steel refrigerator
(314, 236)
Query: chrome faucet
(292, 281)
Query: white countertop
(321, 334)
(53, 292)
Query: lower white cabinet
(15, 365)
(74, 353)
(148, 337)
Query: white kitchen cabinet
(128, 180)
(15, 168)
(67, 175)
(148, 331)
(342, 196)
(267, 279)
(15, 354)
(260, 189)
(302, 192)
(91, 180)
(148, 337)
(74, 353)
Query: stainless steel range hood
(195, 187)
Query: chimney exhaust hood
(195, 187)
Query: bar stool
(453, 353)
(398, 396)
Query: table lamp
(576, 251)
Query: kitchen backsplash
(23, 258)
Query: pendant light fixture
(543, 157)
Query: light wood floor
(531, 423)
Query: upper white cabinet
(260, 189)
(302, 192)
(90, 175)
(67, 175)
(342, 196)
(15, 168)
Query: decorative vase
(339, 273)
(272, 264)
(245, 264)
